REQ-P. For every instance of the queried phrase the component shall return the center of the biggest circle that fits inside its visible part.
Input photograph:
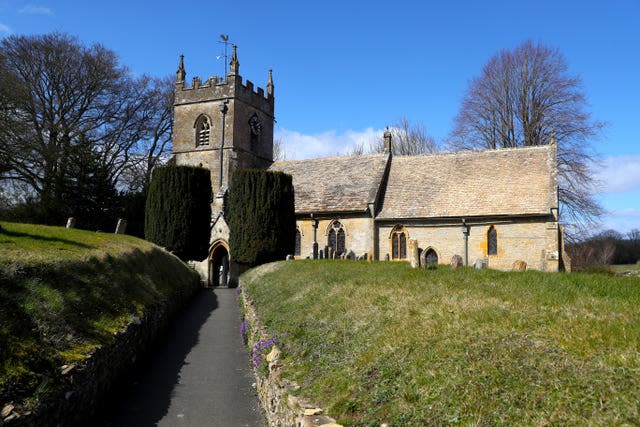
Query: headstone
(330, 253)
(519, 266)
(321, 254)
(480, 264)
(290, 257)
(456, 262)
(314, 255)
(414, 259)
(71, 222)
(121, 228)
(386, 257)
(350, 255)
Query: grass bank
(382, 342)
(64, 293)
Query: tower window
(492, 241)
(336, 239)
(398, 243)
(203, 129)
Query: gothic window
(492, 241)
(398, 243)
(431, 257)
(298, 243)
(337, 238)
(202, 130)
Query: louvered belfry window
(202, 131)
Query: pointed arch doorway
(219, 265)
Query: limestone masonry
(492, 208)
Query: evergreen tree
(261, 216)
(178, 210)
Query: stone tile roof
(494, 182)
(335, 184)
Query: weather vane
(224, 39)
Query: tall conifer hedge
(262, 219)
(178, 210)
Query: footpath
(198, 375)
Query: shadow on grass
(144, 398)
(39, 237)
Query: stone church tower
(222, 125)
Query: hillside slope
(65, 293)
(384, 343)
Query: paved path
(198, 375)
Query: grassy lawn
(64, 293)
(382, 342)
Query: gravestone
(480, 264)
(71, 222)
(456, 262)
(519, 266)
(121, 228)
(386, 257)
(321, 254)
(414, 259)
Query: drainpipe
(223, 110)
(465, 233)
(314, 224)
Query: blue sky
(344, 70)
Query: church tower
(222, 124)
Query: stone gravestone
(71, 222)
(320, 254)
(330, 253)
(519, 266)
(456, 262)
(290, 257)
(386, 257)
(350, 255)
(414, 259)
(480, 264)
(121, 228)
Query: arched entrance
(219, 265)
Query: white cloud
(330, 143)
(619, 174)
(622, 220)
(4, 28)
(35, 10)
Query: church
(493, 207)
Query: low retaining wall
(87, 385)
(281, 407)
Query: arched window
(398, 243)
(431, 257)
(336, 239)
(202, 130)
(492, 241)
(298, 242)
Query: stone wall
(530, 240)
(358, 234)
(87, 385)
(277, 395)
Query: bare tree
(77, 104)
(155, 132)
(526, 97)
(408, 139)
(279, 152)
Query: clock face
(255, 124)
